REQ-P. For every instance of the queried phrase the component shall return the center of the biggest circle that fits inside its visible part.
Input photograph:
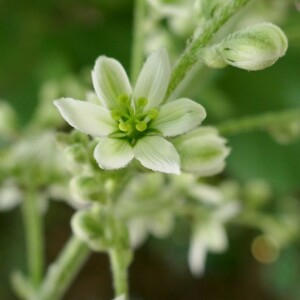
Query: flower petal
(157, 154)
(153, 79)
(197, 253)
(113, 153)
(110, 81)
(178, 117)
(202, 151)
(87, 117)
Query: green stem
(120, 272)
(192, 54)
(21, 286)
(62, 272)
(258, 122)
(33, 224)
(137, 52)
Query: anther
(123, 99)
(116, 114)
(152, 113)
(141, 126)
(141, 102)
(124, 126)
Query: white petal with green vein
(179, 116)
(113, 153)
(87, 117)
(154, 78)
(157, 154)
(110, 81)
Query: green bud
(79, 137)
(90, 228)
(202, 151)
(252, 49)
(286, 133)
(101, 231)
(87, 189)
(76, 153)
(213, 58)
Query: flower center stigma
(132, 120)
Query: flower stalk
(32, 218)
(191, 55)
(62, 272)
(119, 269)
(263, 121)
(137, 52)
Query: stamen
(141, 126)
(141, 102)
(123, 99)
(152, 114)
(125, 127)
(116, 114)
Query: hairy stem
(32, 218)
(119, 271)
(62, 272)
(258, 122)
(137, 52)
(192, 54)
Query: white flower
(133, 123)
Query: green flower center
(133, 121)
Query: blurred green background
(51, 39)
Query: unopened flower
(252, 49)
(133, 123)
(202, 151)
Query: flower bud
(285, 133)
(202, 151)
(87, 189)
(90, 229)
(252, 49)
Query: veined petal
(87, 117)
(178, 117)
(202, 151)
(157, 154)
(153, 79)
(113, 153)
(110, 81)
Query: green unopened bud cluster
(99, 229)
(252, 49)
